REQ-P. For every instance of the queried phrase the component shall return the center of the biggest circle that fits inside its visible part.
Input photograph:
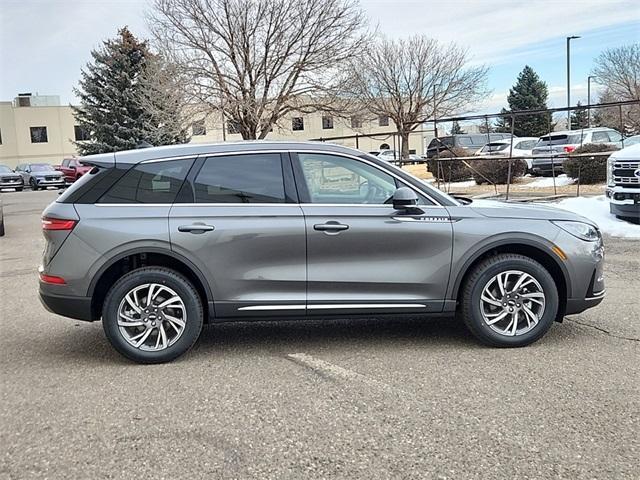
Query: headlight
(583, 231)
(609, 172)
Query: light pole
(589, 100)
(573, 37)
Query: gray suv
(156, 242)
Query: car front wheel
(509, 300)
(152, 315)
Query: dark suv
(157, 241)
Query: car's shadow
(87, 341)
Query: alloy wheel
(512, 303)
(152, 317)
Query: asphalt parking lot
(344, 399)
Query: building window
(233, 127)
(383, 121)
(39, 135)
(297, 124)
(198, 128)
(327, 123)
(356, 122)
(81, 133)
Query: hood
(10, 175)
(531, 211)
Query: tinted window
(527, 144)
(335, 179)
(156, 182)
(255, 178)
(41, 167)
(614, 136)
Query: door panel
(382, 258)
(254, 256)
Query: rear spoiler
(103, 160)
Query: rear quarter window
(155, 182)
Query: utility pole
(589, 100)
(569, 79)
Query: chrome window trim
(280, 151)
(331, 306)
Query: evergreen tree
(579, 118)
(110, 91)
(456, 129)
(530, 93)
(503, 124)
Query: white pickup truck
(623, 183)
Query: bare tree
(162, 97)
(257, 60)
(618, 70)
(412, 80)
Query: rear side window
(156, 182)
(255, 178)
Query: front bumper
(12, 184)
(624, 201)
(41, 182)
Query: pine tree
(530, 93)
(503, 124)
(579, 118)
(456, 129)
(110, 91)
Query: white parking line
(335, 371)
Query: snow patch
(597, 210)
(546, 182)
(467, 184)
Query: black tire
(478, 279)
(1, 228)
(19, 189)
(159, 275)
(33, 185)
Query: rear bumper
(72, 307)
(546, 165)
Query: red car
(72, 169)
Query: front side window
(255, 178)
(340, 180)
(614, 136)
(38, 134)
(156, 182)
(600, 137)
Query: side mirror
(404, 199)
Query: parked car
(73, 169)
(522, 147)
(623, 183)
(470, 142)
(548, 152)
(10, 179)
(157, 241)
(40, 175)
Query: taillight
(52, 279)
(57, 224)
(569, 148)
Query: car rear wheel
(509, 300)
(152, 315)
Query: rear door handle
(196, 228)
(330, 227)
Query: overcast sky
(45, 43)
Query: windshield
(42, 167)
(5, 169)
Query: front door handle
(330, 227)
(196, 228)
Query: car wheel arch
(108, 273)
(539, 250)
